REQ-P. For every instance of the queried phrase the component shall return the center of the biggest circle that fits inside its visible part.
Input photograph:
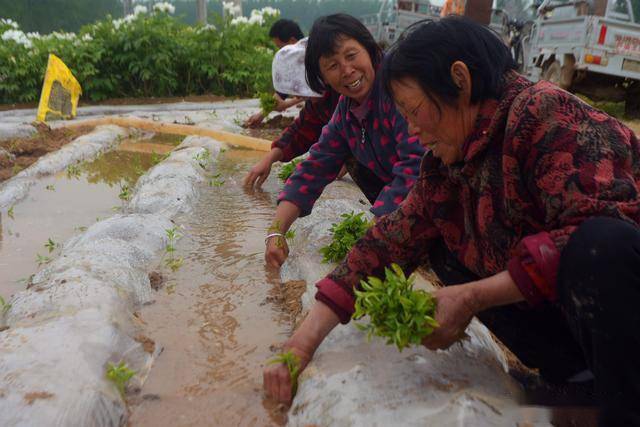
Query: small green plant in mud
(290, 235)
(345, 234)
(286, 170)
(16, 168)
(4, 307)
(81, 228)
(42, 260)
(267, 102)
(157, 158)
(51, 245)
(50, 187)
(215, 181)
(10, 213)
(397, 312)
(73, 171)
(203, 158)
(119, 375)
(292, 362)
(125, 192)
(174, 263)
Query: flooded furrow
(64, 204)
(214, 315)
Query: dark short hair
(426, 51)
(325, 34)
(285, 29)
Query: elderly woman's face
(442, 130)
(349, 70)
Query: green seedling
(51, 245)
(345, 234)
(157, 158)
(125, 192)
(73, 171)
(223, 150)
(81, 228)
(50, 187)
(203, 158)
(286, 170)
(292, 363)
(289, 235)
(397, 312)
(215, 182)
(174, 263)
(267, 102)
(119, 375)
(4, 307)
(10, 213)
(16, 168)
(42, 260)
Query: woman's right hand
(276, 251)
(314, 328)
(276, 379)
(261, 170)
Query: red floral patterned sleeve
(296, 139)
(577, 163)
(403, 236)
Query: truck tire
(632, 100)
(553, 72)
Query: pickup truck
(591, 47)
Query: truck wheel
(632, 100)
(558, 75)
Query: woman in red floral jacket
(527, 205)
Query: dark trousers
(368, 182)
(595, 322)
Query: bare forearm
(286, 213)
(315, 327)
(275, 155)
(499, 289)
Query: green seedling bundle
(345, 234)
(286, 170)
(293, 364)
(397, 312)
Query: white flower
(87, 38)
(139, 9)
(117, 23)
(18, 37)
(270, 11)
(164, 7)
(231, 9)
(208, 27)
(13, 24)
(256, 17)
(129, 19)
(31, 36)
(239, 20)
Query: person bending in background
(283, 32)
(288, 75)
(366, 130)
(536, 196)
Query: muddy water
(60, 206)
(213, 316)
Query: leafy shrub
(146, 54)
(286, 170)
(345, 234)
(398, 313)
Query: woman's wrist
(314, 328)
(496, 290)
(276, 154)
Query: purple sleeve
(406, 169)
(320, 168)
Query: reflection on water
(60, 206)
(212, 316)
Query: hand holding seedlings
(396, 311)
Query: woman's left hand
(456, 307)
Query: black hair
(285, 29)
(427, 49)
(325, 34)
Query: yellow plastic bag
(60, 92)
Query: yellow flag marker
(60, 92)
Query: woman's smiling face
(349, 70)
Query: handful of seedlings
(267, 102)
(286, 170)
(293, 364)
(398, 313)
(345, 234)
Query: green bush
(142, 55)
